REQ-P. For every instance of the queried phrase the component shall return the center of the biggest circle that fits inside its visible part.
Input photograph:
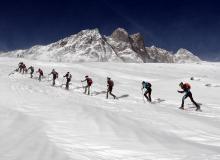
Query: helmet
(86, 76)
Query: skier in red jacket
(55, 76)
(186, 89)
(41, 74)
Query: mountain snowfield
(90, 46)
(41, 122)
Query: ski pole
(143, 95)
(62, 83)
(82, 84)
(91, 90)
(48, 78)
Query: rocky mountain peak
(183, 55)
(120, 34)
(137, 41)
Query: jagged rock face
(137, 43)
(160, 55)
(91, 46)
(120, 34)
(132, 45)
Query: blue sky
(169, 24)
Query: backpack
(147, 85)
(89, 81)
(110, 83)
(187, 86)
(41, 72)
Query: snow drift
(38, 121)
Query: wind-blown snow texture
(91, 46)
(41, 122)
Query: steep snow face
(185, 56)
(91, 46)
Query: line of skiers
(68, 77)
(110, 84)
(185, 89)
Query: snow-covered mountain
(183, 56)
(91, 46)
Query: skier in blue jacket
(147, 93)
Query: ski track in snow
(51, 123)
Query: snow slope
(38, 121)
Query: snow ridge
(90, 46)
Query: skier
(24, 69)
(147, 93)
(68, 77)
(41, 74)
(20, 66)
(110, 85)
(55, 76)
(186, 89)
(89, 83)
(31, 68)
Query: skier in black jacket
(110, 85)
(68, 77)
(55, 76)
(147, 93)
(31, 68)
